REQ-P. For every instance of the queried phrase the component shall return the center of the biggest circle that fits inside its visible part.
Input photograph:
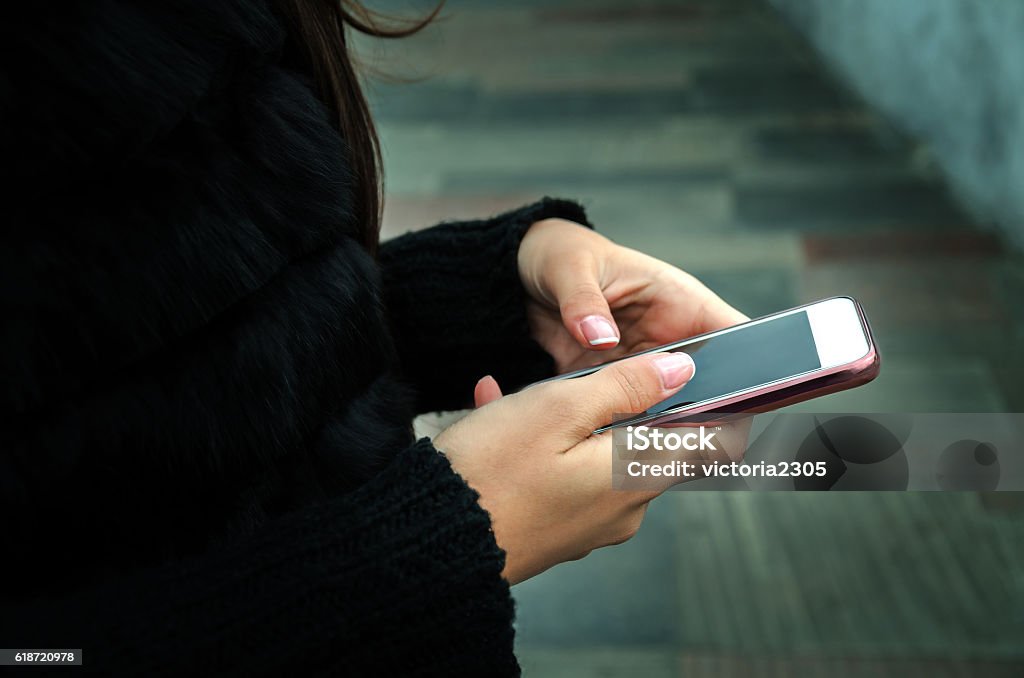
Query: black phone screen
(749, 357)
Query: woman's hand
(543, 477)
(591, 300)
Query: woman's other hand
(543, 477)
(591, 300)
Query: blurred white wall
(950, 73)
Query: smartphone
(769, 362)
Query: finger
(486, 391)
(584, 309)
(631, 386)
(719, 315)
(716, 314)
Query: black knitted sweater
(207, 384)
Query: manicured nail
(675, 369)
(598, 331)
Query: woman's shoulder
(93, 80)
(165, 170)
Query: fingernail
(675, 369)
(598, 331)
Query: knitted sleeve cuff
(458, 308)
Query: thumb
(486, 391)
(584, 309)
(633, 385)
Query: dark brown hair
(317, 30)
